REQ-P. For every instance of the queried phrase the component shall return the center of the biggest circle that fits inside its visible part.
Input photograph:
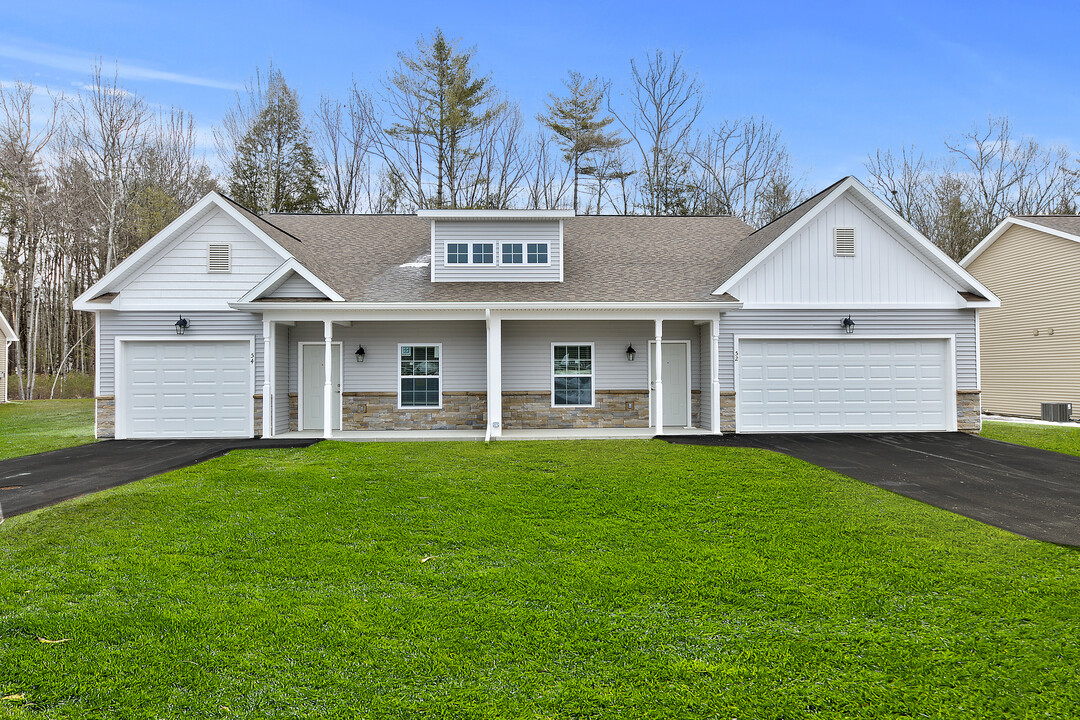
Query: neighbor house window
(457, 253)
(572, 375)
(538, 253)
(421, 376)
(513, 253)
(483, 253)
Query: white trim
(300, 382)
(1005, 225)
(562, 249)
(6, 331)
(592, 371)
(119, 420)
(978, 353)
(689, 382)
(950, 360)
(278, 275)
(669, 310)
(495, 214)
(149, 249)
(400, 377)
(432, 262)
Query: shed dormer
(496, 245)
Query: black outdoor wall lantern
(181, 325)
(360, 354)
(630, 353)
(848, 324)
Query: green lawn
(538, 580)
(1048, 437)
(39, 425)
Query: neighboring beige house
(7, 336)
(1031, 344)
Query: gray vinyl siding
(876, 323)
(181, 271)
(282, 343)
(151, 325)
(527, 351)
(704, 380)
(464, 352)
(296, 287)
(497, 232)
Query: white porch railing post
(494, 375)
(658, 392)
(267, 388)
(714, 375)
(328, 385)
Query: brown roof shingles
(1062, 223)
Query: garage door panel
(183, 388)
(850, 385)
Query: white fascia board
(162, 240)
(495, 214)
(7, 331)
(1005, 225)
(783, 238)
(474, 310)
(270, 283)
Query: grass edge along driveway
(34, 426)
(562, 579)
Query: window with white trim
(483, 253)
(457, 253)
(513, 253)
(420, 379)
(538, 253)
(572, 375)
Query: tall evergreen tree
(580, 131)
(274, 167)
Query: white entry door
(849, 385)
(675, 357)
(313, 360)
(185, 389)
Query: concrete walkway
(1034, 493)
(36, 481)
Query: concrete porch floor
(478, 435)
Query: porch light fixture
(360, 354)
(181, 325)
(848, 324)
(630, 353)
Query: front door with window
(314, 360)
(676, 377)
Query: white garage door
(185, 389)
(843, 386)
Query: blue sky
(839, 80)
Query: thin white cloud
(81, 63)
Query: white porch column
(328, 381)
(494, 375)
(714, 375)
(268, 375)
(658, 387)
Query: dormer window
(538, 253)
(483, 253)
(457, 253)
(513, 253)
(478, 253)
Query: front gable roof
(758, 247)
(286, 271)
(1062, 226)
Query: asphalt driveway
(1035, 493)
(36, 481)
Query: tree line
(87, 178)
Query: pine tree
(274, 168)
(581, 133)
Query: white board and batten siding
(884, 271)
(181, 273)
(496, 232)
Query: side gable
(892, 266)
(173, 270)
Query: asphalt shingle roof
(1062, 223)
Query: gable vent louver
(219, 258)
(844, 242)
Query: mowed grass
(1047, 437)
(28, 427)
(537, 580)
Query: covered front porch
(487, 373)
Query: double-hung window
(420, 376)
(512, 253)
(457, 253)
(572, 375)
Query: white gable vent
(219, 258)
(844, 242)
